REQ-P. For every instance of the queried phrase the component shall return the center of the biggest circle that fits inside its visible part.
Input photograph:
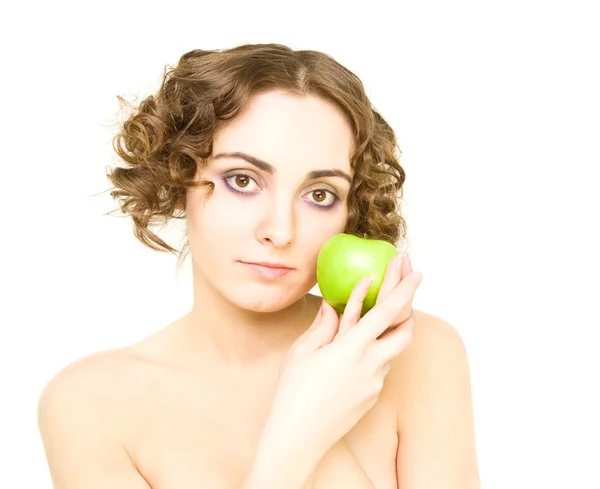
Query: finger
(393, 275)
(407, 268)
(318, 317)
(394, 309)
(325, 331)
(394, 342)
(312, 327)
(354, 306)
(383, 369)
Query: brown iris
(319, 195)
(242, 180)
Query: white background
(497, 110)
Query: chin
(265, 303)
(268, 299)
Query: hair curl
(171, 132)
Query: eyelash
(234, 189)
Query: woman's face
(277, 204)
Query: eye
(322, 198)
(241, 182)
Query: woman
(266, 152)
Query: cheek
(324, 224)
(220, 218)
(315, 230)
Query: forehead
(302, 132)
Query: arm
(282, 462)
(338, 468)
(435, 425)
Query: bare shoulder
(106, 375)
(95, 391)
(86, 393)
(433, 333)
(96, 376)
(436, 352)
(434, 407)
(82, 413)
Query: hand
(391, 280)
(333, 374)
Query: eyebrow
(267, 167)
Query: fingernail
(399, 260)
(417, 277)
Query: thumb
(324, 330)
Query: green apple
(343, 260)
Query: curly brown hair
(165, 139)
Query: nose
(277, 224)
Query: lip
(267, 270)
(267, 264)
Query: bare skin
(188, 428)
(212, 436)
(185, 407)
(229, 422)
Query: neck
(238, 337)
